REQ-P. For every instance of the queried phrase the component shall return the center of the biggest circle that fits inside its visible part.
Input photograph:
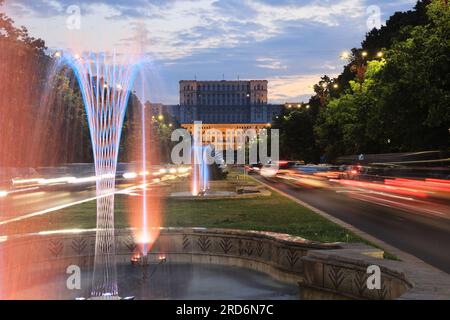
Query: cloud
(179, 27)
(289, 42)
(270, 63)
(292, 88)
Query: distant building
(228, 142)
(223, 93)
(226, 102)
(223, 105)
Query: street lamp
(335, 86)
(160, 117)
(345, 55)
(358, 65)
(380, 54)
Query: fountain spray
(105, 86)
(144, 181)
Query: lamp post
(358, 63)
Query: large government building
(223, 105)
(223, 93)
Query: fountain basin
(181, 281)
(279, 262)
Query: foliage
(396, 103)
(13, 35)
(293, 135)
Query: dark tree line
(392, 96)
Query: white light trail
(130, 175)
(26, 181)
(67, 205)
(56, 180)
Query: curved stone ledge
(322, 271)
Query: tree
(391, 104)
(296, 135)
(43, 119)
(384, 37)
(413, 87)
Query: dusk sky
(290, 43)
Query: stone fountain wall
(322, 271)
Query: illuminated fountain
(200, 170)
(145, 207)
(203, 157)
(105, 85)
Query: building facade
(225, 102)
(223, 93)
(227, 133)
(223, 105)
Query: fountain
(105, 85)
(145, 211)
(200, 170)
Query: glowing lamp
(135, 259)
(345, 55)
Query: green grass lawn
(275, 213)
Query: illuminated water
(105, 85)
(179, 281)
(200, 170)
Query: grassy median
(273, 213)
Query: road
(25, 205)
(425, 236)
